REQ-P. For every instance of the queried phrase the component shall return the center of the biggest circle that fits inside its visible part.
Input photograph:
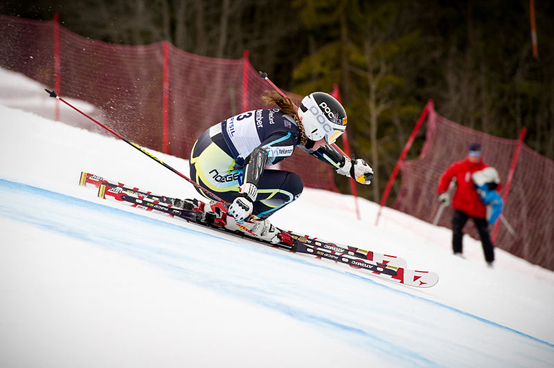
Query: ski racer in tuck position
(230, 158)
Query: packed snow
(86, 282)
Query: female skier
(229, 159)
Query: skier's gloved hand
(444, 199)
(242, 206)
(361, 171)
(357, 169)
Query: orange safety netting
(529, 206)
(125, 84)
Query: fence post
(420, 121)
(165, 108)
(510, 177)
(57, 65)
(245, 63)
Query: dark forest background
(473, 58)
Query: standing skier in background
(476, 197)
(230, 158)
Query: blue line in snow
(8, 186)
(467, 314)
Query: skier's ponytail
(284, 103)
(287, 106)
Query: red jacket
(466, 198)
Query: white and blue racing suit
(239, 149)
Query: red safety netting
(529, 206)
(126, 85)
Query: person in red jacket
(466, 202)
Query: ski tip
(421, 279)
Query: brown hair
(286, 105)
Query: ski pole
(266, 78)
(53, 94)
(451, 185)
(439, 213)
(507, 224)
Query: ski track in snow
(182, 252)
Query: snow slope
(90, 283)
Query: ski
(130, 197)
(390, 260)
(384, 266)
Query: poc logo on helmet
(332, 116)
(327, 110)
(320, 118)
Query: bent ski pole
(53, 94)
(266, 78)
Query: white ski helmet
(322, 117)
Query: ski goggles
(332, 138)
(475, 153)
(339, 128)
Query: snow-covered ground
(86, 282)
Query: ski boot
(213, 213)
(258, 229)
